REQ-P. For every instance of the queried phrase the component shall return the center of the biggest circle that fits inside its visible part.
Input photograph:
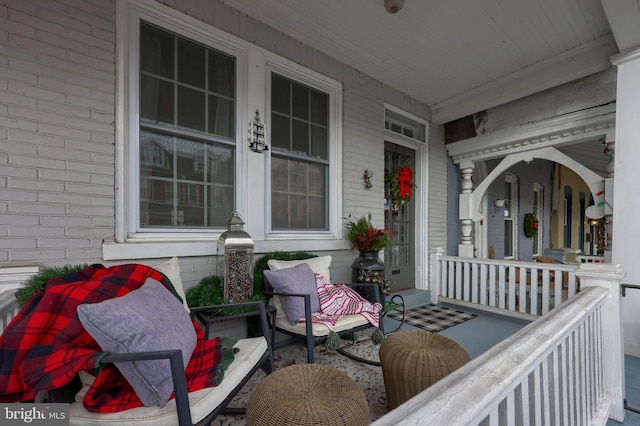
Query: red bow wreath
(404, 177)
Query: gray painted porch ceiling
(461, 56)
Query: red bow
(404, 177)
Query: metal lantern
(235, 261)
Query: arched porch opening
(550, 143)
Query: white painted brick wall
(57, 81)
(437, 215)
(57, 90)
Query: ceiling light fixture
(393, 6)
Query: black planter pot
(367, 267)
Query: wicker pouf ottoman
(412, 360)
(308, 394)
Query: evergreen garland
(38, 281)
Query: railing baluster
(451, 280)
(537, 394)
(466, 283)
(556, 386)
(501, 286)
(483, 284)
(546, 392)
(474, 282)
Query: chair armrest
(177, 375)
(261, 312)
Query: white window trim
(129, 244)
(540, 216)
(513, 179)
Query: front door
(400, 219)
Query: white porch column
(609, 277)
(436, 273)
(625, 248)
(465, 248)
(608, 198)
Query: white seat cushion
(344, 323)
(202, 402)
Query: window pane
(317, 179)
(508, 238)
(190, 108)
(222, 116)
(298, 176)
(156, 100)
(317, 213)
(300, 140)
(222, 74)
(221, 200)
(319, 108)
(156, 51)
(298, 212)
(279, 174)
(187, 194)
(319, 142)
(279, 210)
(300, 101)
(280, 95)
(191, 63)
(280, 132)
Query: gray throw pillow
(147, 319)
(298, 279)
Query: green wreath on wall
(530, 225)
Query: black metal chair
(308, 332)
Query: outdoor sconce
(594, 222)
(393, 6)
(235, 261)
(257, 141)
(498, 204)
(368, 174)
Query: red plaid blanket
(45, 345)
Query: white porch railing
(522, 289)
(565, 368)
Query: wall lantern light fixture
(257, 138)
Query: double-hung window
(186, 132)
(299, 159)
(510, 216)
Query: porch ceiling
(465, 56)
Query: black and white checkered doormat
(433, 318)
